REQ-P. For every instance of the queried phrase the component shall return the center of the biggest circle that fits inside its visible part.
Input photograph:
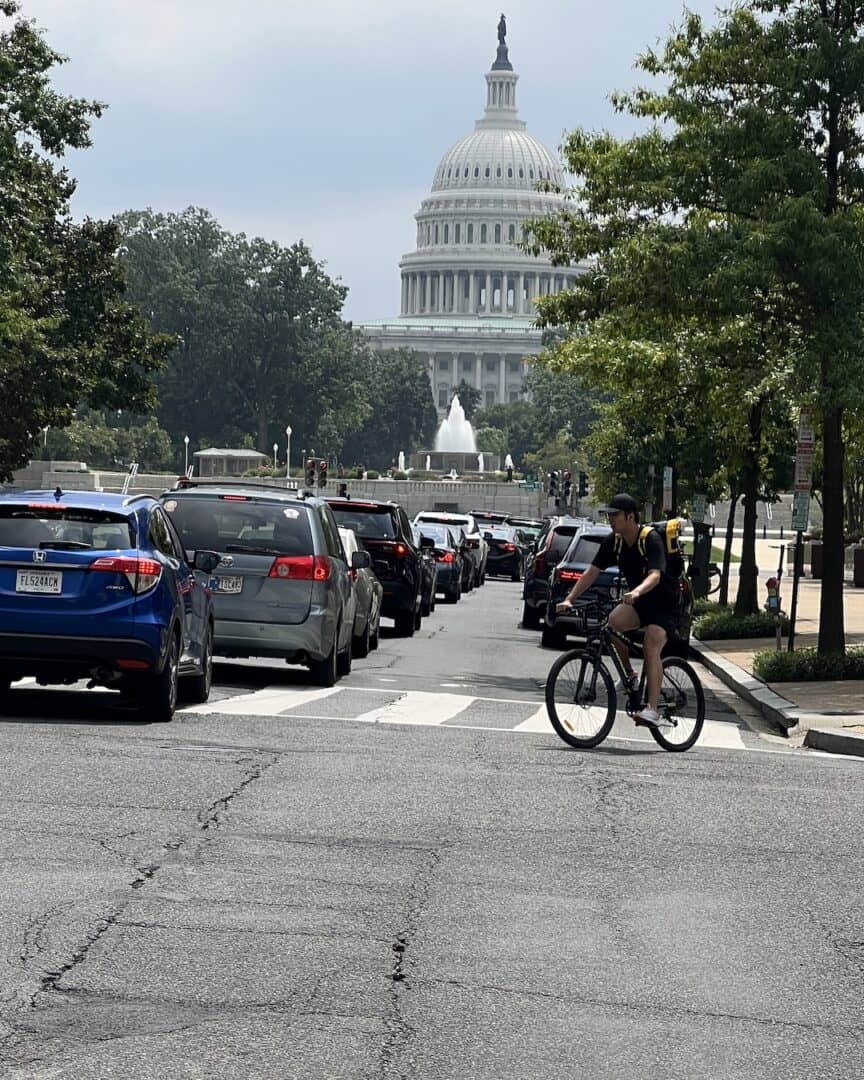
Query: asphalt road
(412, 877)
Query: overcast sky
(324, 120)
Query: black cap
(621, 502)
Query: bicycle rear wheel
(580, 700)
(681, 706)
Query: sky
(324, 121)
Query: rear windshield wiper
(243, 549)
(65, 545)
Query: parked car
(549, 548)
(384, 531)
(452, 564)
(283, 588)
(368, 595)
(507, 551)
(98, 586)
(576, 560)
(485, 518)
(531, 527)
(430, 572)
(478, 549)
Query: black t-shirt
(635, 566)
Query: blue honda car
(98, 586)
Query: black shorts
(654, 612)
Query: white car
(368, 593)
(478, 549)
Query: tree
(756, 152)
(402, 415)
(518, 421)
(66, 333)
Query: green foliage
(725, 624)
(519, 423)
(66, 333)
(809, 665)
(491, 440)
(112, 441)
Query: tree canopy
(67, 334)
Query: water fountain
(456, 446)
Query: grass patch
(808, 665)
(717, 556)
(719, 622)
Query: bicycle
(714, 575)
(581, 698)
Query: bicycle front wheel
(580, 700)
(681, 706)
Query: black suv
(549, 549)
(385, 532)
(569, 570)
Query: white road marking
(268, 702)
(418, 707)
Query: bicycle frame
(599, 643)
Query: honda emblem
(39, 556)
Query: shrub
(399, 475)
(724, 623)
(705, 606)
(808, 665)
(372, 474)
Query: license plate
(39, 581)
(229, 584)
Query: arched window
(450, 170)
(476, 171)
(511, 233)
(531, 173)
(470, 239)
(487, 172)
(482, 234)
(497, 234)
(446, 234)
(428, 234)
(510, 172)
(466, 172)
(521, 173)
(436, 234)
(457, 233)
(498, 172)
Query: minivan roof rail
(184, 483)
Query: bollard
(764, 531)
(781, 532)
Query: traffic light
(322, 473)
(553, 483)
(568, 485)
(583, 485)
(310, 472)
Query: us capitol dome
(467, 289)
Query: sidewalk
(824, 715)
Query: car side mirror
(427, 542)
(206, 561)
(361, 560)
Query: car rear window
(561, 539)
(584, 550)
(236, 523)
(34, 526)
(368, 521)
(439, 533)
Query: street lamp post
(288, 432)
(275, 454)
(185, 455)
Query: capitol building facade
(467, 289)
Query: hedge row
(721, 623)
(807, 665)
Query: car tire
(515, 576)
(324, 671)
(530, 618)
(195, 689)
(405, 623)
(157, 696)
(343, 659)
(425, 609)
(375, 637)
(469, 584)
(361, 644)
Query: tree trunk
(747, 600)
(727, 549)
(832, 637)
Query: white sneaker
(647, 717)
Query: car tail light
(508, 547)
(445, 556)
(400, 551)
(569, 575)
(132, 665)
(300, 568)
(142, 574)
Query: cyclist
(650, 601)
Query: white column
(488, 306)
(404, 294)
(439, 306)
(502, 379)
(478, 376)
(472, 293)
(520, 293)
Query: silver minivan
(284, 586)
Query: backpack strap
(617, 545)
(644, 533)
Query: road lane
(272, 895)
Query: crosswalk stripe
(268, 702)
(419, 708)
(537, 722)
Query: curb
(778, 711)
(835, 741)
